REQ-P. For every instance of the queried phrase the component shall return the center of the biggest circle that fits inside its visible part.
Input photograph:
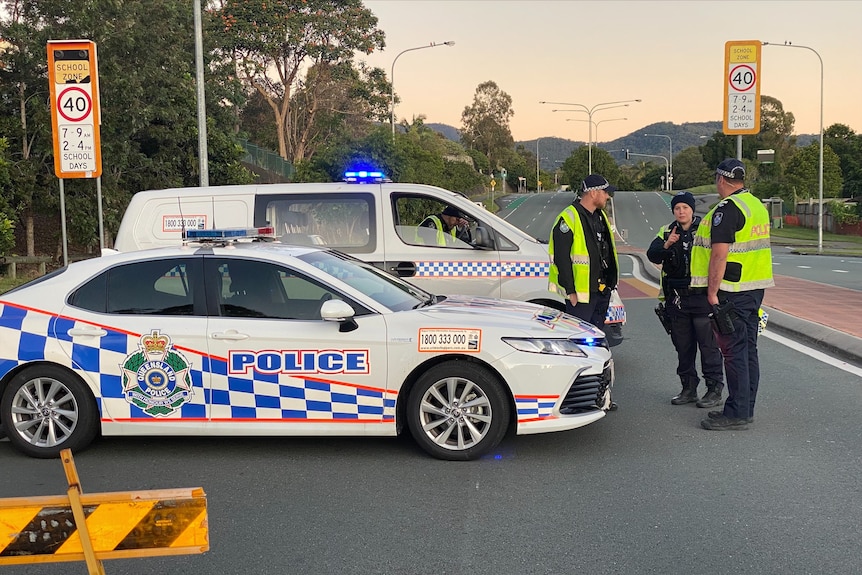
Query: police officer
(584, 265)
(450, 221)
(732, 260)
(689, 311)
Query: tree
(485, 123)
(848, 145)
(576, 166)
(690, 170)
(802, 173)
(271, 42)
(148, 107)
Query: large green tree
(576, 166)
(148, 105)
(689, 169)
(272, 43)
(485, 123)
(848, 145)
(803, 177)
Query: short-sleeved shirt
(727, 219)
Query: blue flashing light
(230, 234)
(364, 176)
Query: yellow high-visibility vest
(751, 247)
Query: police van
(374, 220)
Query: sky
(668, 54)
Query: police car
(228, 336)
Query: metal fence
(267, 160)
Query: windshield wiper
(432, 299)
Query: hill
(553, 151)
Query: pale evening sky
(670, 54)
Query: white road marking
(841, 271)
(804, 267)
(813, 353)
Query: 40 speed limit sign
(742, 87)
(73, 80)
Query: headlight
(551, 346)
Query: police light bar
(231, 234)
(364, 176)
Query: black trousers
(741, 364)
(593, 311)
(691, 329)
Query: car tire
(458, 411)
(46, 409)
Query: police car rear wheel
(458, 411)
(46, 409)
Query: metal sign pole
(63, 223)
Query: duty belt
(683, 292)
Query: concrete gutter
(823, 338)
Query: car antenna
(182, 218)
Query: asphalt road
(644, 490)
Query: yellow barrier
(98, 526)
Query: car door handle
(405, 269)
(230, 334)
(87, 332)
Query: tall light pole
(590, 111)
(537, 165)
(670, 175)
(392, 76)
(595, 124)
(820, 170)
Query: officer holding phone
(732, 260)
(687, 310)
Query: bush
(843, 214)
(7, 234)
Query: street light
(670, 175)
(596, 124)
(820, 170)
(392, 76)
(666, 163)
(589, 112)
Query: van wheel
(46, 409)
(458, 411)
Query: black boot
(687, 395)
(712, 397)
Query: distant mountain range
(553, 151)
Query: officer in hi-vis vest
(732, 261)
(450, 221)
(688, 311)
(584, 266)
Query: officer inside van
(449, 222)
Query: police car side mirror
(339, 311)
(336, 310)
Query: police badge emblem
(156, 377)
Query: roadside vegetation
(313, 101)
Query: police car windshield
(385, 289)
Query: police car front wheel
(46, 409)
(458, 411)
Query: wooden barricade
(99, 526)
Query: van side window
(336, 220)
(419, 222)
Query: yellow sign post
(94, 527)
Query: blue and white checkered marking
(530, 408)
(30, 335)
(481, 269)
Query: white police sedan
(224, 336)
